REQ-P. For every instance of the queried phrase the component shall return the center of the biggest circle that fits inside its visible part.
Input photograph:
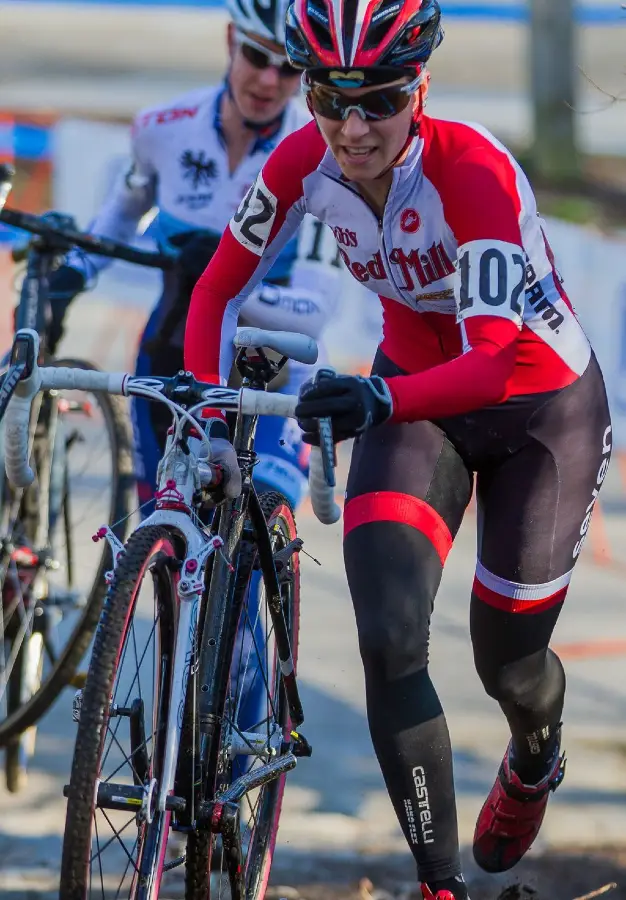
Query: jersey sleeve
(267, 218)
(482, 206)
(133, 195)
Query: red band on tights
(513, 605)
(389, 506)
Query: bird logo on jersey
(197, 168)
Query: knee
(392, 647)
(516, 681)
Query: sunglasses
(260, 57)
(378, 104)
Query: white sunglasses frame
(275, 59)
(409, 88)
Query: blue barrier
(515, 12)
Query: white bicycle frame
(179, 479)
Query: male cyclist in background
(483, 372)
(195, 159)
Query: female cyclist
(483, 373)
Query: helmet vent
(381, 24)
(319, 24)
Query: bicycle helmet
(265, 18)
(378, 36)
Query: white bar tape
(63, 378)
(322, 496)
(18, 471)
(267, 404)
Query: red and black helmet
(362, 34)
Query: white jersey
(180, 166)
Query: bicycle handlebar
(90, 243)
(35, 378)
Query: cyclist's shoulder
(449, 142)
(462, 154)
(186, 108)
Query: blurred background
(547, 77)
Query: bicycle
(188, 749)
(46, 622)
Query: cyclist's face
(260, 94)
(363, 147)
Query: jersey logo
(165, 116)
(410, 221)
(252, 223)
(345, 237)
(416, 267)
(198, 169)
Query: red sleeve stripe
(390, 506)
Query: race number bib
(492, 280)
(252, 223)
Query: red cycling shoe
(427, 894)
(512, 815)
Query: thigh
(407, 491)
(536, 506)
(408, 472)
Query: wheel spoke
(135, 845)
(117, 837)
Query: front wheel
(122, 730)
(253, 702)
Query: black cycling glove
(196, 251)
(352, 402)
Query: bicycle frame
(177, 485)
(180, 482)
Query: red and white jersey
(474, 309)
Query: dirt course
(564, 875)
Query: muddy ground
(563, 875)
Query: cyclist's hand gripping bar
(322, 459)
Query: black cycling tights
(408, 489)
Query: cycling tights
(539, 461)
